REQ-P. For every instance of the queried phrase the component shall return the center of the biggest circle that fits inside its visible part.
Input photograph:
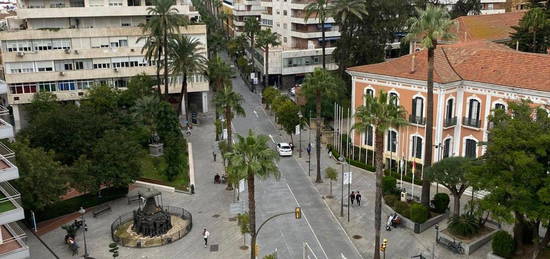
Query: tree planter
(416, 227)
(472, 245)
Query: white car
(284, 149)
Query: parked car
(284, 149)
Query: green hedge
(388, 185)
(419, 213)
(503, 244)
(441, 202)
(87, 200)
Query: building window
(446, 148)
(24, 88)
(369, 92)
(284, 12)
(369, 135)
(473, 114)
(66, 86)
(471, 148)
(44, 66)
(449, 112)
(40, 45)
(417, 147)
(394, 98)
(115, 2)
(61, 44)
(46, 86)
(392, 141)
(500, 106)
(418, 108)
(78, 65)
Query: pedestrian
(214, 154)
(358, 198)
(329, 153)
(352, 197)
(205, 235)
(308, 149)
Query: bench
(101, 209)
(133, 198)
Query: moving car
(284, 149)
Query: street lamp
(300, 140)
(309, 145)
(82, 211)
(342, 159)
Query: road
(286, 235)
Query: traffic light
(384, 245)
(298, 213)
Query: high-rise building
(300, 50)
(240, 10)
(64, 47)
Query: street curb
(191, 165)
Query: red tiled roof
(493, 27)
(479, 61)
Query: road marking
(255, 113)
(333, 216)
(307, 221)
(271, 137)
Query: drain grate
(214, 248)
(357, 236)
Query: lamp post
(342, 159)
(82, 211)
(309, 145)
(300, 140)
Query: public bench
(101, 209)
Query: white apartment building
(300, 51)
(12, 237)
(66, 46)
(487, 6)
(240, 10)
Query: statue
(151, 220)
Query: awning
(327, 26)
(328, 39)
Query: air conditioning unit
(20, 54)
(75, 51)
(68, 51)
(61, 73)
(115, 69)
(132, 50)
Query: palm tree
(229, 102)
(431, 25)
(320, 9)
(342, 11)
(146, 110)
(266, 38)
(153, 49)
(252, 156)
(166, 21)
(381, 114)
(251, 29)
(218, 73)
(534, 21)
(187, 57)
(319, 84)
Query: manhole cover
(357, 236)
(233, 219)
(216, 216)
(214, 248)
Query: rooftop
(492, 27)
(478, 61)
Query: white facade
(65, 47)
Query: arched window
(417, 147)
(392, 141)
(500, 106)
(449, 113)
(393, 97)
(447, 148)
(473, 113)
(470, 148)
(369, 92)
(418, 109)
(369, 134)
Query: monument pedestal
(156, 149)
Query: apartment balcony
(13, 244)
(313, 34)
(8, 169)
(418, 120)
(6, 130)
(10, 204)
(104, 11)
(471, 122)
(449, 122)
(266, 3)
(300, 19)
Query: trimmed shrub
(402, 208)
(463, 225)
(391, 199)
(388, 184)
(419, 213)
(503, 244)
(441, 202)
(86, 200)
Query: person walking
(308, 149)
(205, 235)
(352, 197)
(214, 154)
(358, 198)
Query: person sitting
(217, 178)
(396, 220)
(224, 179)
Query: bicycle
(420, 256)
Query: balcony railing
(13, 241)
(417, 120)
(471, 122)
(10, 198)
(449, 122)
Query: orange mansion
(470, 80)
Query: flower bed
(403, 209)
(472, 243)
